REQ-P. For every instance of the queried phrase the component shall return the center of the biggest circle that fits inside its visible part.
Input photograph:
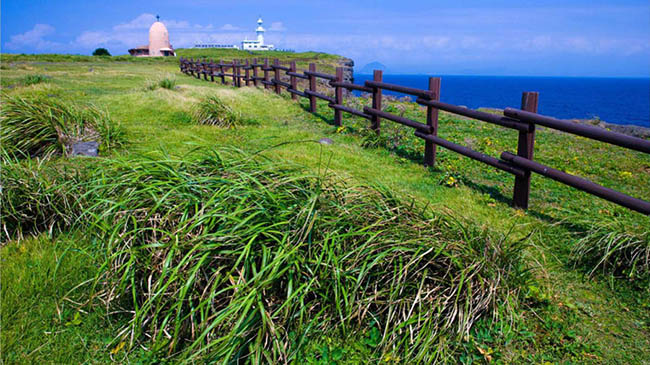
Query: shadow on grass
(318, 114)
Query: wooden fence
(523, 120)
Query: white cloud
(91, 39)
(228, 27)
(34, 38)
(181, 33)
(142, 21)
(277, 27)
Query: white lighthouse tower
(258, 44)
(260, 31)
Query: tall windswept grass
(612, 248)
(211, 110)
(32, 126)
(234, 260)
(38, 197)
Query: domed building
(158, 43)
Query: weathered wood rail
(520, 164)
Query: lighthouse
(258, 44)
(260, 31)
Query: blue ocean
(613, 100)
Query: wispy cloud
(229, 27)
(34, 38)
(277, 27)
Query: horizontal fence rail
(521, 165)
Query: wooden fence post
(376, 101)
(312, 87)
(254, 65)
(235, 72)
(525, 147)
(338, 96)
(205, 69)
(221, 71)
(266, 73)
(211, 69)
(276, 77)
(432, 121)
(247, 74)
(292, 79)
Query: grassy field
(528, 288)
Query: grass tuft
(41, 127)
(33, 79)
(168, 82)
(211, 110)
(38, 197)
(615, 250)
(234, 259)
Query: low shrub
(211, 110)
(33, 126)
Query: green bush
(34, 126)
(101, 52)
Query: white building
(258, 44)
(215, 45)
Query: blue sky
(498, 37)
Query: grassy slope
(585, 315)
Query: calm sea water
(614, 100)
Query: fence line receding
(520, 164)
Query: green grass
(41, 318)
(34, 79)
(211, 110)
(168, 83)
(566, 314)
(42, 126)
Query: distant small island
(369, 68)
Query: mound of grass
(37, 197)
(211, 110)
(168, 82)
(33, 126)
(33, 79)
(615, 250)
(231, 259)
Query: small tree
(101, 52)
